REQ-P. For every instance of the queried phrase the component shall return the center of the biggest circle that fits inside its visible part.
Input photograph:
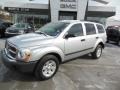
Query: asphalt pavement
(83, 73)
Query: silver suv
(42, 52)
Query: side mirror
(69, 36)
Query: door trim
(78, 51)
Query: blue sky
(115, 3)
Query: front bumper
(18, 65)
(11, 34)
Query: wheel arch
(101, 43)
(55, 54)
(50, 53)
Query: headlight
(24, 55)
(21, 31)
(7, 30)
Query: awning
(100, 11)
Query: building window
(66, 15)
(101, 20)
(35, 19)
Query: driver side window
(76, 30)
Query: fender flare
(39, 53)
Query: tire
(47, 67)
(2, 34)
(97, 53)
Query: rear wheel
(47, 67)
(98, 52)
(2, 33)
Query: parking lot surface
(83, 73)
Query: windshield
(19, 25)
(53, 29)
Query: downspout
(49, 8)
(86, 11)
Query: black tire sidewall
(98, 47)
(38, 71)
(94, 54)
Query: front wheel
(47, 67)
(97, 53)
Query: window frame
(86, 28)
(72, 26)
(97, 25)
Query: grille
(13, 31)
(11, 50)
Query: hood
(30, 40)
(14, 29)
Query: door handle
(97, 37)
(83, 40)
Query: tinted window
(113, 27)
(112, 32)
(76, 30)
(100, 29)
(90, 29)
(19, 25)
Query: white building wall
(55, 8)
(81, 6)
(54, 5)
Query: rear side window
(100, 29)
(76, 30)
(90, 29)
